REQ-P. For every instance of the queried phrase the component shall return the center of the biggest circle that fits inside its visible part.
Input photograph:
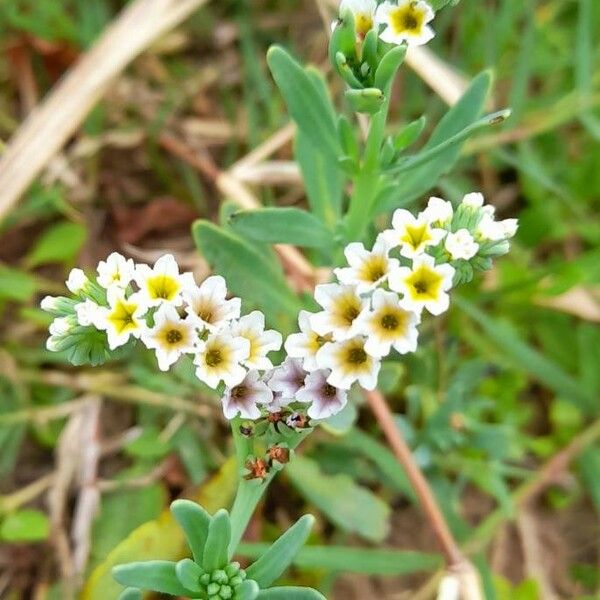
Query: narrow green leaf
(525, 357)
(271, 565)
(59, 243)
(589, 470)
(419, 180)
(304, 102)
(354, 560)
(348, 505)
(368, 100)
(217, 541)
(194, 521)
(290, 593)
(27, 525)
(388, 67)
(153, 575)
(15, 284)
(251, 273)
(281, 226)
(189, 573)
(247, 590)
(409, 134)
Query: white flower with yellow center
(342, 305)
(252, 328)
(162, 282)
(389, 324)
(413, 234)
(367, 269)
(219, 359)
(424, 286)
(460, 244)
(170, 337)
(406, 22)
(307, 343)
(243, 399)
(348, 362)
(438, 212)
(116, 270)
(491, 230)
(363, 12)
(325, 400)
(208, 306)
(122, 319)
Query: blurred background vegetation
(509, 380)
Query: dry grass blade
(50, 125)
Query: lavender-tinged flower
(287, 379)
(325, 399)
(244, 398)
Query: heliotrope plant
(374, 305)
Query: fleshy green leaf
(388, 67)
(154, 575)
(348, 505)
(281, 226)
(194, 521)
(217, 542)
(290, 593)
(369, 100)
(131, 594)
(304, 101)
(59, 243)
(280, 554)
(247, 590)
(409, 134)
(26, 525)
(188, 573)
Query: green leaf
(217, 541)
(282, 226)
(525, 357)
(61, 242)
(271, 565)
(251, 274)
(148, 444)
(290, 593)
(131, 594)
(355, 560)
(195, 522)
(15, 284)
(409, 134)
(368, 100)
(589, 470)
(388, 67)
(153, 575)
(351, 507)
(416, 182)
(189, 573)
(304, 101)
(26, 525)
(247, 590)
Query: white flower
(243, 398)
(287, 379)
(170, 337)
(162, 282)
(61, 326)
(342, 306)
(219, 359)
(363, 12)
(423, 286)
(59, 333)
(405, 22)
(77, 281)
(349, 362)
(306, 344)
(367, 269)
(473, 200)
(412, 234)
(116, 270)
(389, 324)
(252, 328)
(438, 212)
(461, 245)
(494, 231)
(87, 313)
(122, 319)
(325, 399)
(208, 305)
(57, 305)
(449, 588)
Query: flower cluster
(375, 306)
(401, 22)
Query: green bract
(211, 574)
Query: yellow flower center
(416, 236)
(363, 23)
(373, 269)
(424, 284)
(173, 336)
(121, 317)
(407, 19)
(315, 341)
(390, 322)
(162, 287)
(347, 308)
(213, 357)
(356, 356)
